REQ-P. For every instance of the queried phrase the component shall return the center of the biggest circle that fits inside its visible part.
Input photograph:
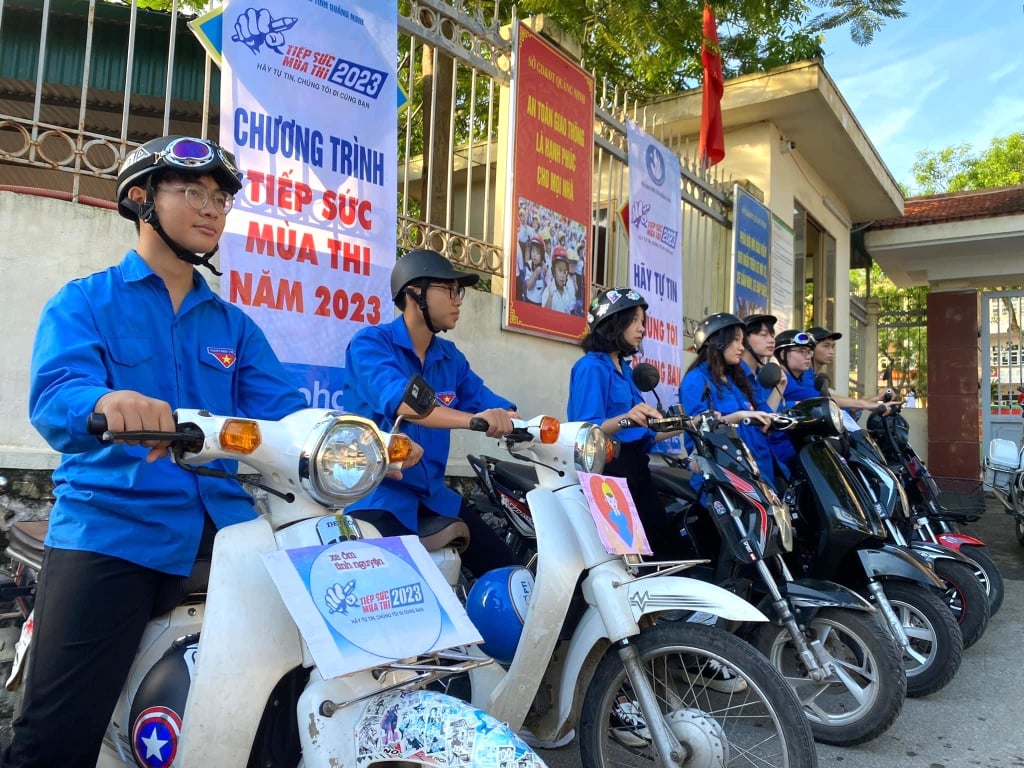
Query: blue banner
(751, 237)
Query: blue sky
(950, 71)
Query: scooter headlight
(592, 449)
(836, 416)
(344, 459)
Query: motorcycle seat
(674, 482)
(26, 539)
(516, 476)
(438, 532)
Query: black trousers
(90, 613)
(486, 549)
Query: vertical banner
(750, 238)
(550, 205)
(656, 263)
(308, 107)
(782, 273)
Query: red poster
(553, 157)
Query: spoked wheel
(865, 692)
(965, 597)
(936, 646)
(987, 573)
(726, 706)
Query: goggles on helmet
(195, 154)
(802, 339)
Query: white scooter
(226, 679)
(610, 645)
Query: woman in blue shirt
(601, 391)
(715, 381)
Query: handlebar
(188, 438)
(476, 424)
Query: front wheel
(723, 703)
(936, 646)
(865, 692)
(965, 597)
(987, 572)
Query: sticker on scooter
(614, 512)
(362, 603)
(155, 737)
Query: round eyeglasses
(197, 196)
(455, 292)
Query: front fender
(889, 561)
(679, 593)
(956, 540)
(808, 596)
(424, 727)
(931, 553)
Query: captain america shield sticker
(155, 737)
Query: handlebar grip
(625, 423)
(476, 424)
(888, 396)
(96, 424)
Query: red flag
(712, 141)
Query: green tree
(959, 168)
(653, 48)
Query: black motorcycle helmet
(183, 155)
(608, 303)
(821, 333)
(712, 329)
(789, 340)
(418, 268)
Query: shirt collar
(403, 340)
(134, 268)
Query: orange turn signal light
(240, 436)
(399, 448)
(549, 427)
(609, 451)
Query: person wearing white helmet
(134, 342)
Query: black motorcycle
(939, 507)
(841, 536)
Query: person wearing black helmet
(716, 381)
(602, 391)
(759, 344)
(133, 343)
(428, 291)
(795, 351)
(824, 356)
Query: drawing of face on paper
(614, 513)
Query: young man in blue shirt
(133, 343)
(428, 292)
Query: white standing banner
(308, 95)
(782, 273)
(656, 263)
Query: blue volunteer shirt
(117, 330)
(800, 389)
(379, 362)
(699, 393)
(597, 391)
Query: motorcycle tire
(717, 694)
(965, 597)
(936, 643)
(988, 574)
(864, 695)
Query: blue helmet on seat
(497, 607)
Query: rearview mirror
(769, 376)
(419, 396)
(646, 377)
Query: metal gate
(1002, 365)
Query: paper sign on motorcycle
(615, 515)
(360, 604)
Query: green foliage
(958, 168)
(184, 6)
(653, 48)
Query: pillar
(954, 442)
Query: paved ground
(976, 719)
